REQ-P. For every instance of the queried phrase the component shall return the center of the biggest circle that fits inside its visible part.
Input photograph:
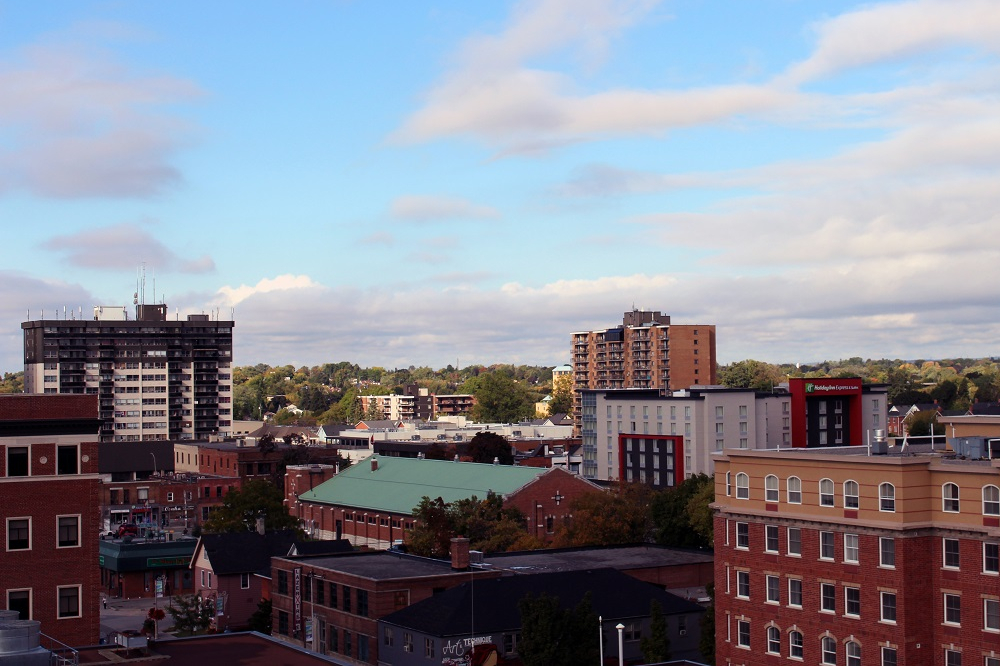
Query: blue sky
(425, 183)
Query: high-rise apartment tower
(154, 378)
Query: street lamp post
(600, 638)
(154, 461)
(621, 653)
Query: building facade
(830, 557)
(49, 507)
(645, 351)
(155, 379)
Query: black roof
(251, 552)
(615, 596)
(135, 456)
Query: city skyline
(458, 183)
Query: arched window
(742, 486)
(828, 649)
(991, 501)
(771, 488)
(949, 497)
(853, 653)
(794, 490)
(887, 497)
(795, 644)
(851, 500)
(826, 492)
(774, 640)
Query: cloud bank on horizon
(466, 185)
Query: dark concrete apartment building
(155, 378)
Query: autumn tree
(619, 515)
(681, 516)
(501, 399)
(489, 526)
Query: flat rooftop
(382, 565)
(639, 556)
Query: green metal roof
(398, 484)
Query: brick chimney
(460, 554)
(374, 464)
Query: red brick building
(371, 503)
(837, 557)
(49, 499)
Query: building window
(826, 545)
(851, 495)
(828, 597)
(743, 536)
(795, 592)
(771, 538)
(66, 459)
(888, 656)
(886, 552)
(952, 609)
(429, 648)
(17, 461)
(333, 638)
(729, 484)
(991, 615)
(851, 548)
(951, 553)
(773, 640)
(742, 486)
(952, 658)
(795, 645)
(991, 558)
(888, 606)
(826, 492)
(19, 534)
(282, 582)
(794, 541)
(245, 581)
(719, 411)
(387, 637)
(828, 651)
(743, 584)
(333, 595)
(743, 633)
(363, 602)
(69, 601)
(69, 531)
(852, 601)
(347, 642)
(773, 589)
(363, 647)
(949, 498)
(853, 652)
(887, 497)
(794, 490)
(633, 631)
(991, 501)
(347, 598)
(20, 601)
(771, 488)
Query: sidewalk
(129, 614)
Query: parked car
(127, 529)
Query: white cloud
(281, 283)
(123, 247)
(890, 31)
(437, 209)
(86, 126)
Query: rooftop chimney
(374, 464)
(460, 554)
(496, 460)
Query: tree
(260, 621)
(656, 647)
(750, 374)
(486, 445)
(620, 515)
(679, 519)
(190, 613)
(241, 508)
(707, 625)
(486, 523)
(500, 399)
(923, 423)
(554, 636)
(432, 531)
